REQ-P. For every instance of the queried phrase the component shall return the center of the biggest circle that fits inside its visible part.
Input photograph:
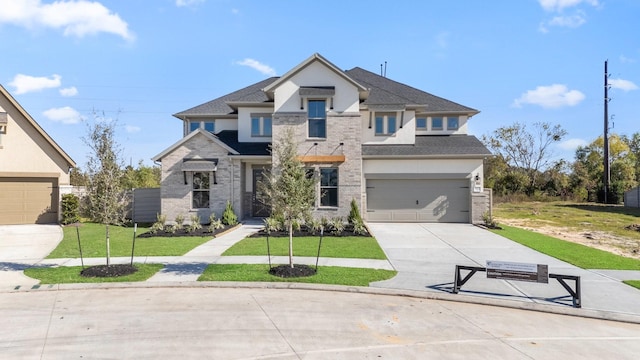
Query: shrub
(214, 223)
(70, 209)
(229, 216)
(194, 223)
(179, 222)
(315, 225)
(354, 214)
(272, 224)
(337, 225)
(159, 224)
(488, 220)
(359, 228)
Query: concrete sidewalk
(425, 256)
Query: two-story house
(401, 153)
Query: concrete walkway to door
(425, 256)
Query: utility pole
(606, 175)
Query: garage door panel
(28, 200)
(418, 200)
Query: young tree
(526, 150)
(287, 188)
(105, 196)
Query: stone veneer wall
(176, 195)
(480, 204)
(341, 128)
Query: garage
(418, 200)
(28, 200)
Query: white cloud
(571, 21)
(26, 83)
(256, 65)
(621, 84)
(553, 96)
(132, 129)
(183, 3)
(65, 115)
(626, 60)
(572, 144)
(74, 17)
(68, 92)
(559, 5)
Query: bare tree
(105, 196)
(526, 150)
(287, 188)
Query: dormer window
(436, 123)
(210, 125)
(261, 125)
(452, 123)
(421, 123)
(386, 123)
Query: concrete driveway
(425, 256)
(22, 246)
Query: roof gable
(190, 136)
(312, 59)
(36, 126)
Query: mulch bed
(182, 232)
(633, 227)
(304, 231)
(286, 271)
(109, 271)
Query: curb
(461, 298)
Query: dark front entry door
(259, 208)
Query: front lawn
(576, 254)
(354, 247)
(326, 275)
(71, 274)
(634, 283)
(92, 238)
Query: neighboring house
(33, 168)
(401, 153)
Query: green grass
(326, 275)
(92, 238)
(634, 283)
(579, 255)
(71, 274)
(355, 247)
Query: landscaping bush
(70, 209)
(229, 216)
(214, 223)
(354, 214)
(159, 224)
(194, 223)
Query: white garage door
(28, 201)
(421, 200)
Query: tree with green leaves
(141, 177)
(287, 187)
(106, 199)
(526, 150)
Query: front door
(259, 208)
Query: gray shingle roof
(386, 91)
(430, 145)
(251, 93)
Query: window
(385, 124)
(317, 113)
(452, 123)
(436, 123)
(329, 187)
(210, 126)
(260, 125)
(200, 190)
(421, 123)
(194, 125)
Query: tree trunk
(291, 244)
(108, 248)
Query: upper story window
(385, 124)
(421, 123)
(260, 125)
(436, 123)
(452, 123)
(210, 126)
(317, 115)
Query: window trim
(457, 120)
(200, 190)
(202, 124)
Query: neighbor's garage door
(28, 200)
(418, 200)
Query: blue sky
(142, 61)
